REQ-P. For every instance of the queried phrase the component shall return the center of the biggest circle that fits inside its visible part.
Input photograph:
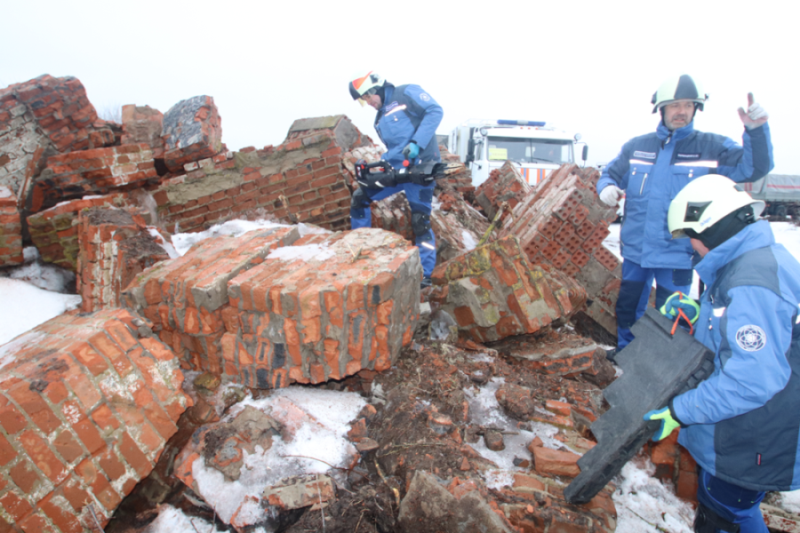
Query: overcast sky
(588, 67)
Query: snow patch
(319, 442)
(23, 307)
(172, 520)
(306, 252)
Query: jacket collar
(757, 235)
(681, 133)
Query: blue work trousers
(420, 198)
(731, 502)
(634, 292)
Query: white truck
(536, 149)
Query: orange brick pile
(60, 107)
(96, 171)
(270, 322)
(192, 130)
(504, 185)
(143, 124)
(494, 292)
(674, 464)
(305, 179)
(54, 231)
(561, 226)
(10, 229)
(87, 404)
(114, 246)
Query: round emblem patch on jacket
(424, 97)
(751, 338)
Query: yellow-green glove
(681, 302)
(667, 419)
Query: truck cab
(533, 147)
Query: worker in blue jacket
(742, 424)
(650, 170)
(406, 123)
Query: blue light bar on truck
(520, 123)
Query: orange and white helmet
(365, 85)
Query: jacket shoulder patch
(424, 97)
(751, 338)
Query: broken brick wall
(561, 226)
(494, 292)
(54, 231)
(324, 307)
(87, 404)
(143, 124)
(90, 172)
(191, 131)
(305, 179)
(114, 246)
(10, 229)
(504, 186)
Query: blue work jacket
(653, 168)
(408, 114)
(743, 422)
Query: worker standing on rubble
(406, 123)
(650, 170)
(741, 424)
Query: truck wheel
(780, 212)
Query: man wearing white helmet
(406, 123)
(651, 169)
(741, 424)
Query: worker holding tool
(406, 123)
(650, 170)
(741, 424)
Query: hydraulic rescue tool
(382, 174)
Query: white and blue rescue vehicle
(535, 148)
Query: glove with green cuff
(669, 422)
(681, 302)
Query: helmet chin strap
(727, 227)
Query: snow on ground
(646, 505)
(24, 306)
(183, 241)
(172, 520)
(319, 443)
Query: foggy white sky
(588, 67)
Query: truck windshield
(529, 150)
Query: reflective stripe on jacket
(744, 420)
(408, 114)
(653, 168)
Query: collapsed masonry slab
(10, 229)
(305, 179)
(351, 306)
(494, 292)
(114, 247)
(97, 171)
(143, 124)
(656, 366)
(87, 404)
(503, 186)
(54, 231)
(561, 226)
(323, 309)
(192, 130)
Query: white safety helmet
(704, 202)
(367, 84)
(681, 87)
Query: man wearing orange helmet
(406, 123)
